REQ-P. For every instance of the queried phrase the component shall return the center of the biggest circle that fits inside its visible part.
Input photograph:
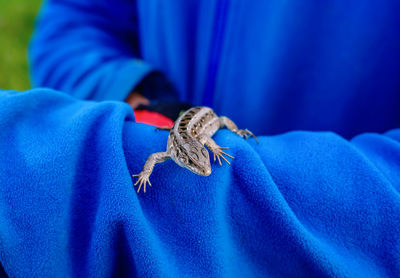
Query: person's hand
(135, 99)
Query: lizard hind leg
(229, 124)
(245, 133)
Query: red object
(153, 118)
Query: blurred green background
(16, 26)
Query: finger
(225, 159)
(252, 134)
(219, 160)
(140, 186)
(227, 154)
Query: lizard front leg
(143, 176)
(214, 148)
(229, 124)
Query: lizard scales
(186, 140)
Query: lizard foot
(245, 133)
(219, 153)
(143, 179)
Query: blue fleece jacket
(301, 204)
(306, 204)
(272, 66)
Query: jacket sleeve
(88, 49)
(300, 204)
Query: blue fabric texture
(88, 49)
(272, 66)
(304, 204)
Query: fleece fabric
(272, 66)
(300, 204)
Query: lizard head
(194, 156)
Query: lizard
(190, 132)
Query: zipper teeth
(216, 45)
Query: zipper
(221, 11)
